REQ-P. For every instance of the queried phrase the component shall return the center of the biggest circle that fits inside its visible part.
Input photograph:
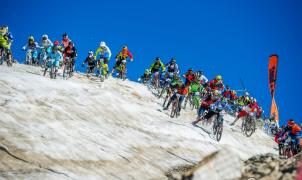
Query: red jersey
(216, 85)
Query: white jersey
(47, 43)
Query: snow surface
(93, 130)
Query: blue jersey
(56, 56)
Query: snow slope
(81, 129)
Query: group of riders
(209, 97)
(63, 54)
(50, 54)
(202, 94)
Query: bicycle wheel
(65, 71)
(185, 103)
(173, 111)
(9, 63)
(51, 72)
(219, 129)
(166, 98)
(219, 132)
(215, 127)
(243, 125)
(288, 152)
(192, 103)
(250, 127)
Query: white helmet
(246, 93)
(102, 44)
(45, 36)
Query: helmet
(190, 69)
(218, 77)
(4, 26)
(31, 38)
(234, 92)
(216, 92)
(147, 71)
(102, 44)
(290, 122)
(227, 87)
(246, 94)
(125, 47)
(45, 36)
(10, 36)
(224, 100)
(64, 35)
(173, 60)
(90, 52)
(54, 48)
(176, 76)
(157, 59)
(71, 43)
(200, 72)
(56, 43)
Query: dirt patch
(178, 172)
(136, 95)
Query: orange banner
(272, 73)
(274, 110)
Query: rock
(223, 164)
(270, 166)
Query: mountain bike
(218, 125)
(122, 70)
(248, 124)
(50, 65)
(287, 147)
(31, 57)
(175, 107)
(5, 57)
(68, 66)
(42, 58)
(165, 87)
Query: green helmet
(218, 77)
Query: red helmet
(56, 43)
(290, 122)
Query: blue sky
(231, 38)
